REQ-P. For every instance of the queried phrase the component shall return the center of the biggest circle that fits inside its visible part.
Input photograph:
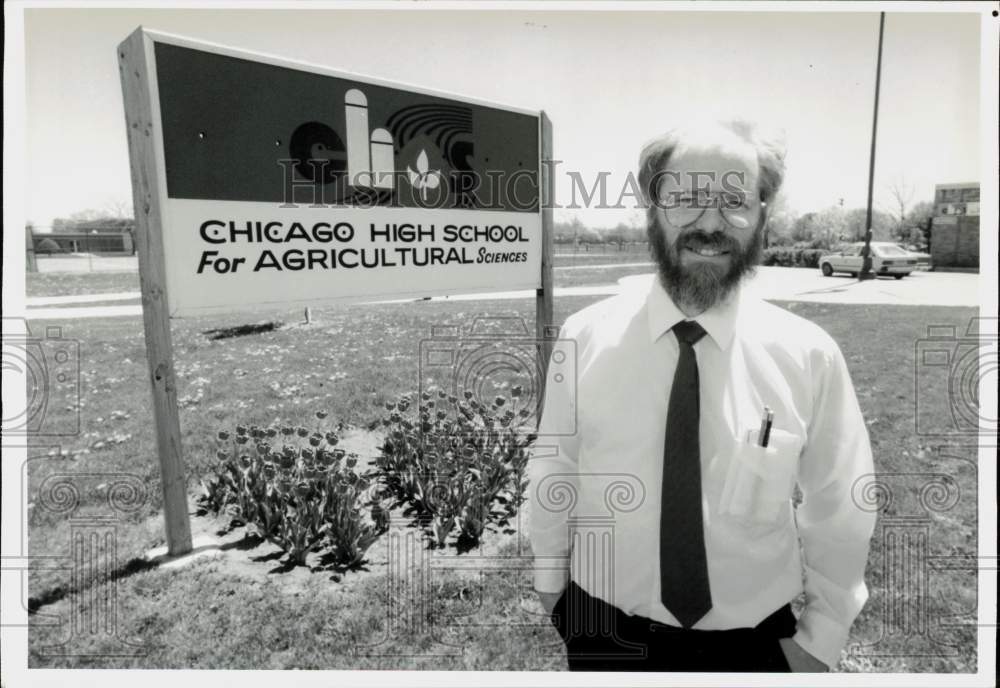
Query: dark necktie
(683, 566)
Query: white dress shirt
(596, 468)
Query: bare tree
(119, 208)
(781, 219)
(901, 193)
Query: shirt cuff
(552, 575)
(821, 636)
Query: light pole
(866, 252)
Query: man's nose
(711, 219)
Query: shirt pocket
(759, 480)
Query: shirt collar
(719, 321)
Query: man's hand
(549, 600)
(798, 659)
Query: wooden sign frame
(136, 62)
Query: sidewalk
(86, 262)
(35, 301)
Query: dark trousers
(601, 637)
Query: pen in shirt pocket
(765, 427)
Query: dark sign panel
(241, 130)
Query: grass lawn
(350, 361)
(74, 283)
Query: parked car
(924, 261)
(887, 259)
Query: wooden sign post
(263, 182)
(133, 66)
(543, 299)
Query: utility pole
(866, 253)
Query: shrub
(809, 258)
(455, 463)
(784, 256)
(302, 496)
(779, 256)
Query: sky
(610, 81)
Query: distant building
(956, 199)
(955, 225)
(100, 243)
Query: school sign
(294, 184)
(264, 182)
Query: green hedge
(792, 257)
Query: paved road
(806, 284)
(603, 266)
(35, 301)
(917, 289)
(779, 284)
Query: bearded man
(731, 424)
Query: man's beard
(701, 286)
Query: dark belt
(779, 624)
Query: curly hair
(770, 150)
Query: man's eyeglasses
(683, 208)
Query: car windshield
(889, 250)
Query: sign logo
(367, 159)
(424, 178)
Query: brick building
(955, 226)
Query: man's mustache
(701, 239)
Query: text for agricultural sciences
(386, 251)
